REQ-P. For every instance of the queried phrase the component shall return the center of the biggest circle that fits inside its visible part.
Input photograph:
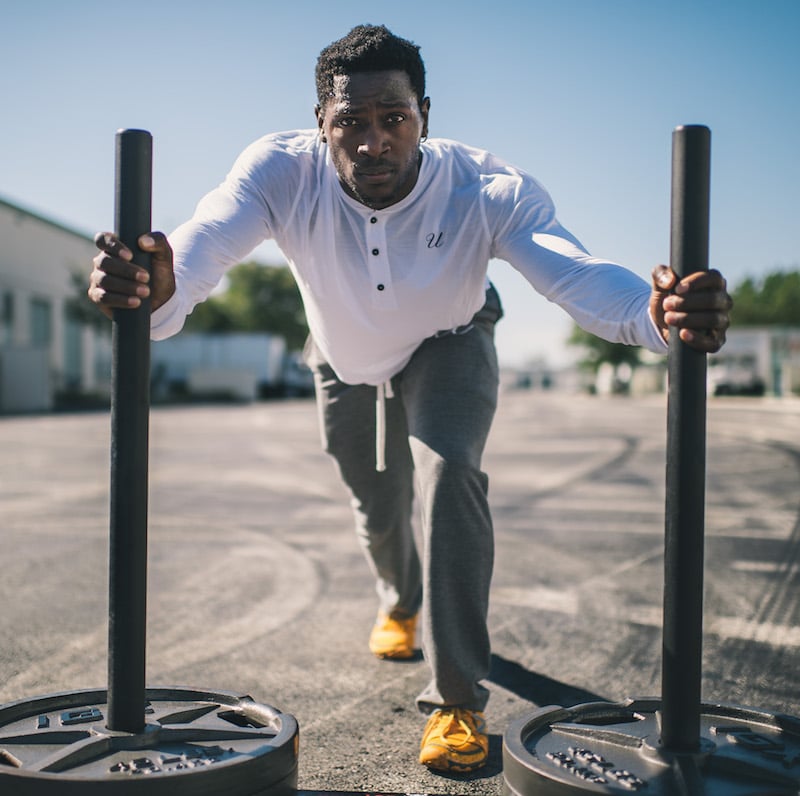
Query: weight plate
(612, 748)
(194, 743)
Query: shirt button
(373, 220)
(376, 252)
(380, 287)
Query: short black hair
(369, 48)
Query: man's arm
(228, 223)
(602, 297)
(612, 302)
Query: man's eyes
(352, 121)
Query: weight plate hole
(239, 719)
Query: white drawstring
(384, 391)
(459, 330)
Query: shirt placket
(378, 263)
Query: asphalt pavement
(257, 584)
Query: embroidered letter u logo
(434, 240)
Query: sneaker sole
(393, 654)
(454, 766)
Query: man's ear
(425, 108)
(320, 122)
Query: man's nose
(374, 142)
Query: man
(389, 236)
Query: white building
(45, 353)
(757, 360)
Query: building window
(41, 322)
(73, 353)
(7, 319)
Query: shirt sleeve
(228, 223)
(602, 297)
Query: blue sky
(584, 94)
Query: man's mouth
(374, 172)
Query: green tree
(599, 351)
(771, 301)
(259, 298)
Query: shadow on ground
(537, 688)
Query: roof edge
(17, 208)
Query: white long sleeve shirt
(376, 283)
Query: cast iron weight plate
(194, 743)
(613, 748)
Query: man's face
(373, 124)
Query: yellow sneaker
(454, 740)
(393, 638)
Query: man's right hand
(116, 282)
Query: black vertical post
(686, 455)
(130, 406)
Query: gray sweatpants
(436, 429)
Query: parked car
(734, 374)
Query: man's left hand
(698, 305)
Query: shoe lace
(461, 718)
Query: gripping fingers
(698, 319)
(109, 243)
(116, 282)
(700, 307)
(113, 291)
(707, 340)
(711, 280)
(703, 330)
